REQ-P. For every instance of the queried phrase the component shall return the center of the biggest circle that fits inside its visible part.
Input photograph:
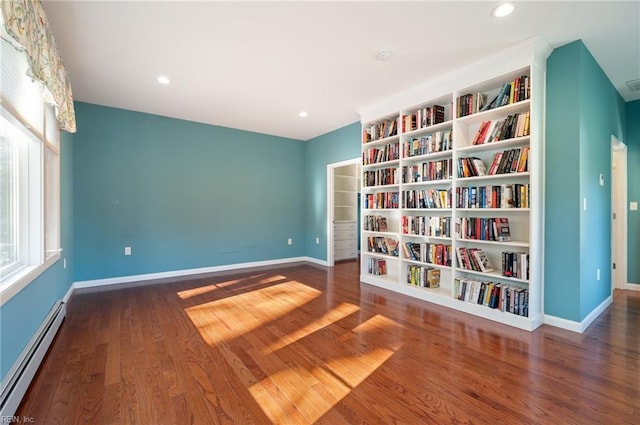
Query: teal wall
(339, 145)
(562, 188)
(183, 195)
(21, 316)
(632, 141)
(583, 111)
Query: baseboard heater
(18, 379)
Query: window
(29, 177)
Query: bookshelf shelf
(381, 142)
(497, 145)
(514, 244)
(391, 163)
(430, 129)
(510, 210)
(506, 176)
(493, 275)
(486, 114)
(445, 182)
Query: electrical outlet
(289, 241)
(633, 206)
(127, 250)
(317, 241)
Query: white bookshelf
(525, 220)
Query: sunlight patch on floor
(339, 312)
(236, 315)
(295, 391)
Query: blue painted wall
(562, 188)
(21, 316)
(183, 195)
(339, 145)
(583, 111)
(632, 141)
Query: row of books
(381, 200)
(428, 171)
(497, 196)
(509, 161)
(380, 177)
(428, 198)
(375, 223)
(515, 264)
(423, 276)
(385, 153)
(473, 259)
(382, 245)
(380, 130)
(512, 92)
(426, 226)
(432, 253)
(439, 141)
(470, 103)
(483, 228)
(377, 266)
(516, 125)
(422, 118)
(506, 298)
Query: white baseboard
(66, 297)
(574, 326)
(187, 272)
(632, 286)
(317, 261)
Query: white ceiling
(255, 65)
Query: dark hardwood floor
(305, 345)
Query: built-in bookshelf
(345, 205)
(452, 189)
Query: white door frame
(330, 204)
(619, 207)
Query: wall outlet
(289, 241)
(597, 274)
(633, 206)
(127, 250)
(317, 241)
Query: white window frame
(38, 205)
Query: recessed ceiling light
(384, 55)
(502, 10)
(163, 80)
(303, 114)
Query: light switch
(601, 179)
(633, 206)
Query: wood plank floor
(309, 345)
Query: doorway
(618, 214)
(343, 211)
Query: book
(482, 261)
(480, 168)
(503, 232)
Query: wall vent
(634, 85)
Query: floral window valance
(26, 22)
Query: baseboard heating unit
(17, 381)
